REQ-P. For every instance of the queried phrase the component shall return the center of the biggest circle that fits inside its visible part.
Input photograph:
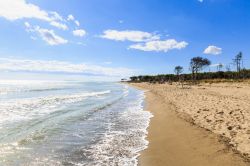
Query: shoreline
(174, 141)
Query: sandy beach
(206, 125)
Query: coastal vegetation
(196, 66)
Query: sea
(71, 123)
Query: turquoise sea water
(71, 123)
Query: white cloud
(47, 35)
(24, 65)
(70, 17)
(79, 32)
(135, 36)
(77, 23)
(56, 16)
(148, 41)
(59, 25)
(160, 45)
(50, 37)
(19, 9)
(27, 25)
(214, 50)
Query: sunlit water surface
(71, 123)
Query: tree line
(196, 66)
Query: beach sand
(206, 125)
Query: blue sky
(117, 38)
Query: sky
(114, 39)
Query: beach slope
(174, 140)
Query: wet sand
(174, 140)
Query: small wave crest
(100, 127)
(28, 108)
(124, 139)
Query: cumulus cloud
(19, 9)
(79, 32)
(77, 23)
(47, 35)
(144, 41)
(56, 16)
(213, 50)
(50, 37)
(25, 65)
(70, 17)
(59, 25)
(159, 45)
(134, 36)
(27, 25)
